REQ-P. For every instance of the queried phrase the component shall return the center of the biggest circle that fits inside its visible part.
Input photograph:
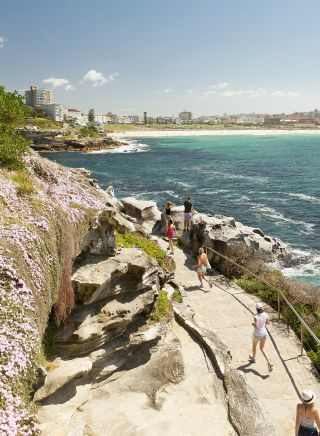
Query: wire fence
(308, 339)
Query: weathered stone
(98, 323)
(145, 212)
(65, 371)
(102, 231)
(130, 270)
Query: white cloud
(220, 86)
(168, 90)
(190, 91)
(69, 87)
(56, 82)
(98, 79)
(1, 41)
(277, 94)
(292, 94)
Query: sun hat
(259, 306)
(308, 396)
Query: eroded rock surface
(145, 213)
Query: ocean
(271, 182)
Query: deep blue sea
(270, 182)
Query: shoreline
(190, 132)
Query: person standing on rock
(308, 415)
(202, 264)
(260, 334)
(171, 232)
(188, 212)
(167, 212)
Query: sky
(206, 56)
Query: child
(171, 232)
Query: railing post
(301, 333)
(279, 306)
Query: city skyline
(209, 58)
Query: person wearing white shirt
(260, 334)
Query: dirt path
(228, 310)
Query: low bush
(91, 132)
(24, 182)
(151, 248)
(13, 148)
(161, 310)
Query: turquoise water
(270, 182)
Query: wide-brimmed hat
(259, 305)
(308, 396)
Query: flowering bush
(40, 234)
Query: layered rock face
(219, 233)
(145, 213)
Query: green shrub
(177, 297)
(91, 132)
(24, 182)
(151, 248)
(161, 310)
(13, 148)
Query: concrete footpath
(228, 310)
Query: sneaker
(252, 359)
(201, 287)
(270, 367)
(172, 252)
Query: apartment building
(35, 97)
(55, 111)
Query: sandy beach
(190, 132)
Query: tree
(13, 147)
(91, 116)
(12, 108)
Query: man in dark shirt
(188, 211)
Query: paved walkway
(228, 310)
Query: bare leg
(262, 344)
(254, 348)
(200, 278)
(171, 245)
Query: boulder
(131, 270)
(145, 212)
(102, 230)
(96, 324)
(223, 233)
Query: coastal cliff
(45, 212)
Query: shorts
(187, 216)
(201, 269)
(259, 338)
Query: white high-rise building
(55, 111)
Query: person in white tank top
(260, 334)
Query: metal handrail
(280, 295)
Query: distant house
(79, 117)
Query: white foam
(305, 197)
(273, 213)
(128, 147)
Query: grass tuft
(24, 183)
(161, 310)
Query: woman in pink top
(171, 232)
